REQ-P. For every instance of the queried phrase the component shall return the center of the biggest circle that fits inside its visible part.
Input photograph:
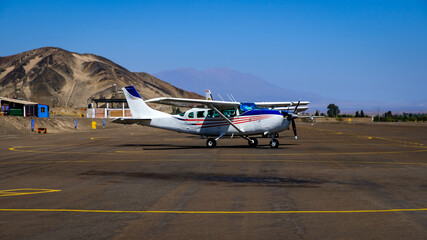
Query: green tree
(333, 110)
(388, 114)
(175, 110)
(357, 114)
(362, 114)
(317, 113)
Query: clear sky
(352, 50)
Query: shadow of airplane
(183, 147)
(210, 177)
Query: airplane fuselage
(196, 121)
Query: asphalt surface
(337, 181)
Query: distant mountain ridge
(247, 87)
(61, 78)
(243, 86)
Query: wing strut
(226, 119)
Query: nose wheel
(274, 143)
(211, 143)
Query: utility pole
(115, 90)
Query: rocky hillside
(65, 79)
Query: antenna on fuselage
(230, 98)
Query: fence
(108, 113)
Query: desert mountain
(66, 79)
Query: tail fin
(209, 95)
(137, 106)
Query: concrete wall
(10, 125)
(108, 113)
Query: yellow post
(93, 125)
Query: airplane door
(189, 123)
(257, 125)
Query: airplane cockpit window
(201, 114)
(191, 115)
(182, 114)
(227, 112)
(244, 107)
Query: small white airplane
(213, 118)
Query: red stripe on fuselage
(222, 122)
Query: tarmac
(337, 181)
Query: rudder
(137, 106)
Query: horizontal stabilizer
(143, 122)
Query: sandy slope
(61, 78)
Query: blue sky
(352, 50)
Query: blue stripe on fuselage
(181, 119)
(261, 112)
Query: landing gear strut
(253, 142)
(265, 135)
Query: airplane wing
(300, 108)
(145, 121)
(304, 116)
(275, 105)
(187, 102)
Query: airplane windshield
(244, 107)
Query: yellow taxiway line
(25, 191)
(279, 154)
(214, 212)
(222, 160)
(19, 149)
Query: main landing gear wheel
(274, 143)
(253, 144)
(211, 143)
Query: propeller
(291, 117)
(295, 111)
(294, 127)
(295, 115)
